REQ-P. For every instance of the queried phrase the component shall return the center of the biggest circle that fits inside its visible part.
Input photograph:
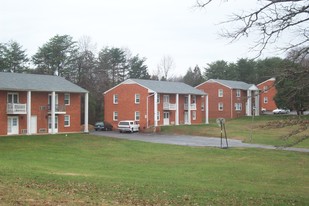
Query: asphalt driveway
(186, 140)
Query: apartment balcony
(13, 108)
(59, 109)
(168, 106)
(192, 107)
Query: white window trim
(139, 98)
(158, 116)
(158, 98)
(69, 120)
(238, 93)
(238, 106)
(69, 100)
(114, 98)
(266, 88)
(219, 106)
(265, 100)
(220, 92)
(115, 116)
(13, 93)
(139, 116)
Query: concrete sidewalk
(186, 140)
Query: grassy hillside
(278, 130)
(93, 170)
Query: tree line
(97, 72)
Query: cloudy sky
(150, 28)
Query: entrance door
(13, 126)
(166, 118)
(50, 124)
(186, 118)
(33, 129)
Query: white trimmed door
(186, 118)
(13, 125)
(166, 118)
(50, 124)
(34, 123)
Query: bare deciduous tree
(272, 20)
(165, 66)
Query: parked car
(128, 126)
(281, 111)
(103, 126)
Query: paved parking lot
(186, 140)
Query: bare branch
(273, 19)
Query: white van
(128, 126)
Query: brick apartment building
(231, 99)
(31, 104)
(267, 93)
(154, 103)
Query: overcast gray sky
(150, 28)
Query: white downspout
(28, 112)
(86, 130)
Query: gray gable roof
(167, 87)
(36, 82)
(233, 84)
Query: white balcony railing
(59, 109)
(13, 108)
(168, 106)
(192, 106)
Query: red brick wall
(229, 99)
(242, 99)
(270, 94)
(211, 88)
(39, 102)
(126, 106)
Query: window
(115, 98)
(66, 120)
(265, 89)
(137, 98)
(158, 116)
(115, 116)
(193, 99)
(238, 93)
(193, 115)
(203, 105)
(13, 98)
(238, 106)
(220, 93)
(265, 100)
(50, 99)
(220, 106)
(67, 99)
(137, 116)
(158, 98)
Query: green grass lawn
(277, 130)
(91, 170)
